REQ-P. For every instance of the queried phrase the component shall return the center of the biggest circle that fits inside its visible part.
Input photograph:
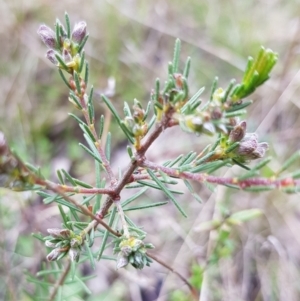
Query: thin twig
(60, 281)
(191, 288)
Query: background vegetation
(132, 41)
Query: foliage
(90, 227)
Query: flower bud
(67, 57)
(59, 233)
(74, 254)
(248, 145)
(53, 255)
(3, 145)
(79, 32)
(122, 261)
(47, 35)
(50, 244)
(50, 55)
(260, 151)
(238, 132)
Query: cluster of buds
(135, 123)
(63, 242)
(64, 47)
(242, 146)
(208, 120)
(13, 175)
(132, 250)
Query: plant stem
(191, 288)
(202, 177)
(60, 281)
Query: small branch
(191, 288)
(128, 174)
(60, 281)
(101, 152)
(202, 177)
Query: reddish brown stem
(202, 177)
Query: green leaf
(60, 177)
(127, 111)
(244, 216)
(83, 43)
(95, 156)
(208, 225)
(77, 102)
(166, 191)
(98, 185)
(68, 176)
(213, 88)
(106, 233)
(61, 62)
(134, 197)
(101, 126)
(88, 132)
(187, 66)
(86, 289)
(295, 157)
(82, 184)
(114, 112)
(76, 118)
(172, 163)
(236, 107)
(90, 255)
(176, 55)
(191, 101)
(228, 90)
(152, 185)
(68, 25)
(57, 33)
(146, 206)
(64, 78)
(82, 60)
(108, 146)
(77, 82)
(86, 73)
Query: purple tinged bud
(248, 144)
(59, 233)
(122, 261)
(51, 56)
(3, 145)
(238, 132)
(50, 244)
(126, 250)
(79, 32)
(53, 255)
(47, 35)
(260, 151)
(74, 254)
(67, 57)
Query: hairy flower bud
(74, 254)
(248, 145)
(238, 132)
(53, 255)
(260, 151)
(79, 32)
(50, 55)
(47, 35)
(3, 145)
(59, 233)
(67, 57)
